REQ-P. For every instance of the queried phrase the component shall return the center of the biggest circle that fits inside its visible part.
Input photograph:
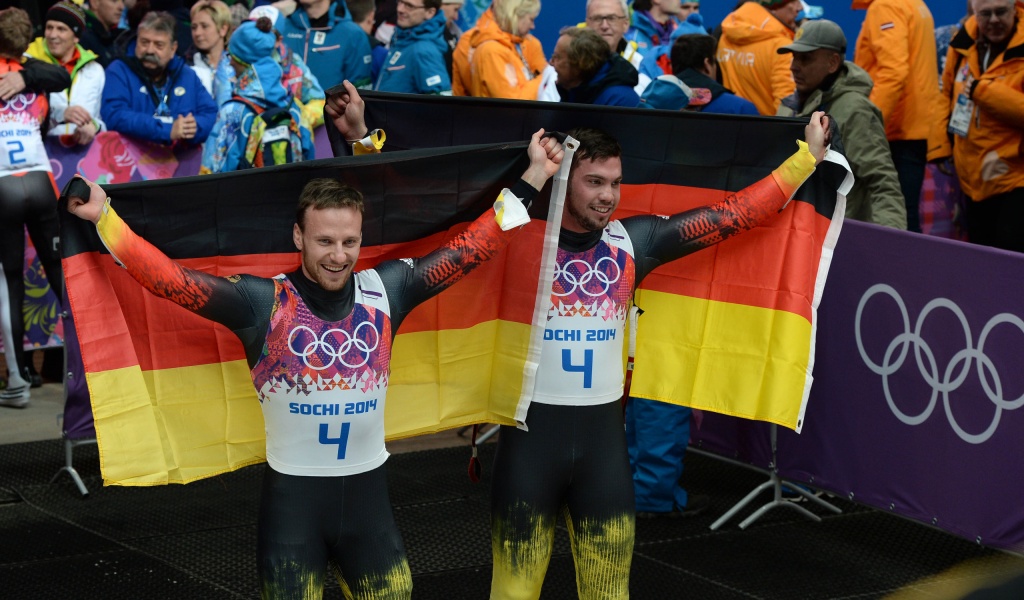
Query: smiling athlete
(326, 330)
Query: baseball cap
(813, 35)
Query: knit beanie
(252, 41)
(69, 14)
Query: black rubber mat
(198, 540)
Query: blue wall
(556, 14)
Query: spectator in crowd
(27, 198)
(154, 95)
(452, 31)
(323, 34)
(658, 61)
(300, 82)
(75, 111)
(211, 29)
(747, 52)
(415, 60)
(824, 79)
(982, 86)
(504, 63)
(653, 23)
(693, 84)
(610, 19)
(687, 8)
(258, 89)
(896, 47)
(590, 73)
(101, 29)
(461, 70)
(362, 12)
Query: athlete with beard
(571, 457)
(325, 497)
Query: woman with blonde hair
(211, 29)
(505, 60)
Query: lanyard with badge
(162, 112)
(960, 119)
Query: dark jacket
(722, 101)
(612, 85)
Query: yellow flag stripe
(753, 367)
(183, 424)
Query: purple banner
(917, 384)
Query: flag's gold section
(754, 365)
(203, 420)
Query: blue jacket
(415, 62)
(334, 53)
(130, 101)
(665, 93)
(647, 33)
(260, 84)
(612, 85)
(658, 61)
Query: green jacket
(876, 195)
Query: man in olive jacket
(827, 82)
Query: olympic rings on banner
(588, 273)
(323, 346)
(952, 376)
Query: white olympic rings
(323, 345)
(588, 273)
(928, 367)
(19, 102)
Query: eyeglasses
(999, 13)
(408, 5)
(612, 19)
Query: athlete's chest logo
(334, 345)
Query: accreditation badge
(960, 120)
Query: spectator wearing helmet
(75, 111)
(154, 95)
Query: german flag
(728, 329)
(172, 397)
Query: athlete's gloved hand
(85, 199)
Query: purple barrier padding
(917, 384)
(739, 439)
(322, 143)
(78, 423)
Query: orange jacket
(896, 46)
(748, 60)
(990, 158)
(503, 65)
(461, 73)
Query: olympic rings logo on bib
(319, 353)
(587, 273)
(19, 102)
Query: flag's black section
(409, 195)
(724, 152)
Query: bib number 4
(341, 440)
(587, 367)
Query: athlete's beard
(584, 221)
(312, 270)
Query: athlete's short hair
(323, 193)
(594, 145)
(15, 32)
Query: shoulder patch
(434, 80)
